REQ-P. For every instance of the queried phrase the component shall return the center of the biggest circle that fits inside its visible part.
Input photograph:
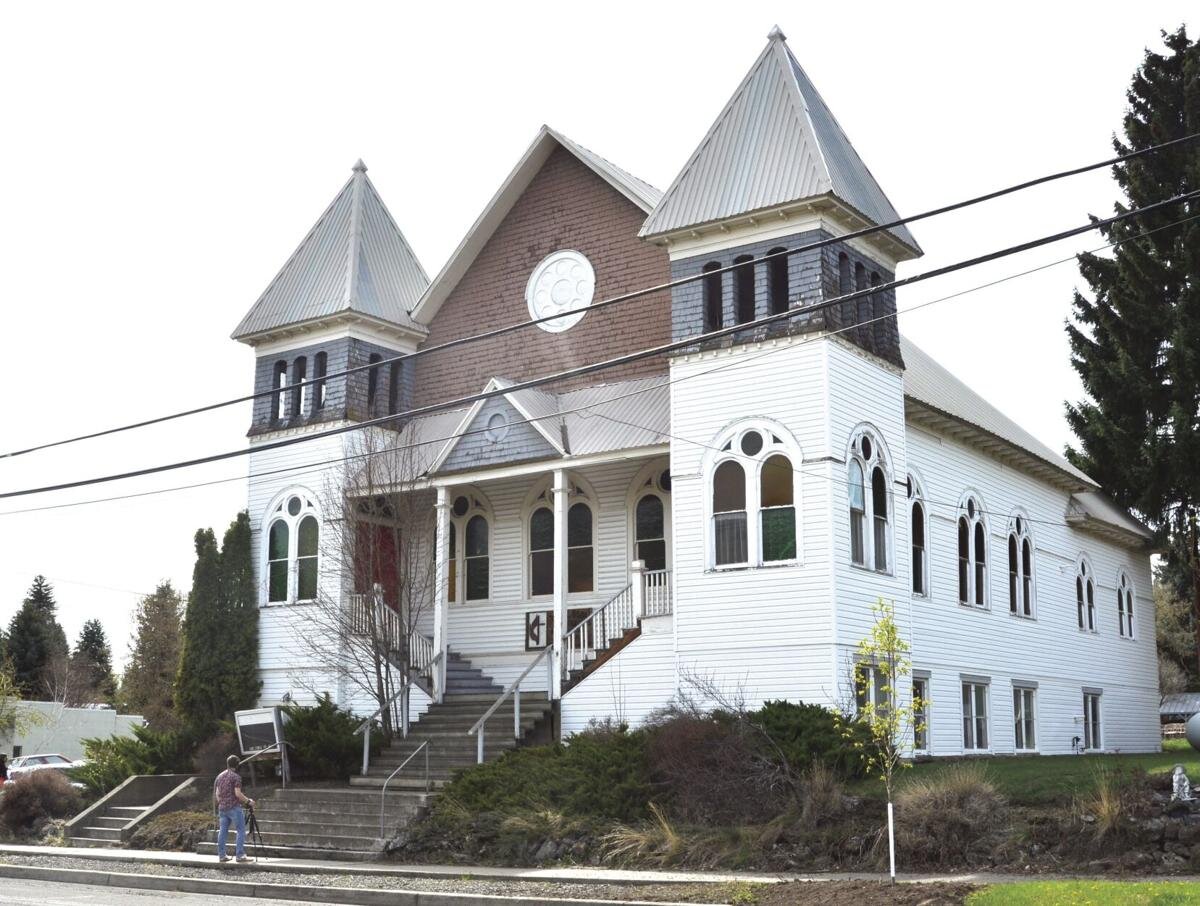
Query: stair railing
(658, 592)
(279, 748)
(423, 747)
(365, 727)
(598, 628)
(514, 689)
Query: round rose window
(563, 282)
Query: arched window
(729, 513)
(917, 532)
(777, 510)
(862, 306)
(649, 532)
(870, 507)
(299, 394)
(879, 325)
(714, 301)
(279, 382)
(754, 500)
(476, 548)
(373, 381)
(845, 284)
(743, 289)
(320, 368)
(292, 558)
(1020, 568)
(1125, 606)
(469, 563)
(972, 555)
(777, 280)
(581, 566)
(541, 551)
(394, 374)
(1085, 596)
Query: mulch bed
(862, 893)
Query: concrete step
(131, 811)
(313, 838)
(291, 852)
(89, 843)
(102, 833)
(336, 813)
(346, 797)
(367, 828)
(398, 783)
(105, 821)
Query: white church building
(725, 513)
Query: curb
(344, 896)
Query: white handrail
(658, 592)
(365, 726)
(514, 687)
(403, 765)
(597, 629)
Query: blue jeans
(237, 818)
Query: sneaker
(223, 859)
(244, 859)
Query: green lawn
(1033, 779)
(1088, 893)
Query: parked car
(25, 764)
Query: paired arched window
(1085, 596)
(650, 520)
(581, 559)
(1020, 567)
(777, 280)
(754, 500)
(870, 503)
(279, 382)
(1125, 606)
(714, 296)
(470, 560)
(972, 554)
(743, 289)
(918, 532)
(293, 549)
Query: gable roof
(774, 143)
(640, 193)
(354, 259)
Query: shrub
(36, 796)
(323, 744)
(950, 817)
(807, 735)
(210, 755)
(113, 760)
(175, 831)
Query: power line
(298, 386)
(616, 361)
(315, 467)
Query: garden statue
(1181, 787)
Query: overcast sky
(160, 161)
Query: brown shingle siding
(566, 206)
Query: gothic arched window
(714, 301)
(918, 530)
(1085, 596)
(743, 289)
(293, 549)
(1020, 567)
(972, 554)
(868, 480)
(777, 280)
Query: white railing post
(366, 749)
(479, 747)
(517, 713)
(441, 590)
(637, 572)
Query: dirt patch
(862, 893)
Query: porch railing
(657, 583)
(390, 627)
(597, 629)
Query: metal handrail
(269, 750)
(383, 795)
(365, 726)
(514, 687)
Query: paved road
(48, 893)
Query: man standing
(227, 791)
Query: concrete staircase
(111, 820)
(343, 822)
(104, 829)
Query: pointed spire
(776, 34)
(359, 166)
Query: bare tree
(378, 574)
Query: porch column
(441, 588)
(559, 490)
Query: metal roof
(928, 383)
(775, 142)
(1180, 703)
(640, 193)
(1089, 507)
(354, 259)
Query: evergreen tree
(1136, 341)
(199, 689)
(146, 687)
(240, 602)
(91, 665)
(36, 641)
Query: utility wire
(623, 359)
(615, 300)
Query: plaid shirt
(225, 785)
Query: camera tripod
(253, 832)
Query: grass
(1037, 780)
(1088, 893)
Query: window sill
(981, 608)
(888, 574)
(736, 567)
(1028, 618)
(272, 604)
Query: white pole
(891, 843)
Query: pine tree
(36, 641)
(1136, 341)
(240, 603)
(149, 679)
(199, 693)
(91, 665)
